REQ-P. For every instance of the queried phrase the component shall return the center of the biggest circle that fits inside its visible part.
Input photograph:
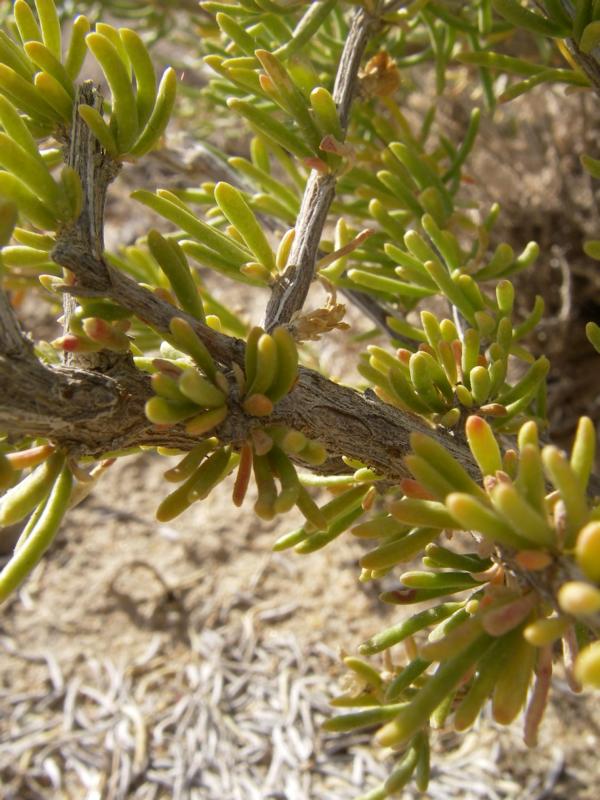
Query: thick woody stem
(345, 421)
(291, 288)
(82, 243)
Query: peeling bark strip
(291, 288)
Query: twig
(291, 288)
(83, 241)
(587, 62)
(200, 160)
(13, 342)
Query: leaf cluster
(505, 525)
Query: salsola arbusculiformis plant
(448, 431)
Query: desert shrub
(441, 453)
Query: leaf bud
(587, 551)
(483, 445)
(543, 632)
(258, 405)
(505, 296)
(587, 666)
(579, 598)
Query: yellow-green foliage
(451, 356)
